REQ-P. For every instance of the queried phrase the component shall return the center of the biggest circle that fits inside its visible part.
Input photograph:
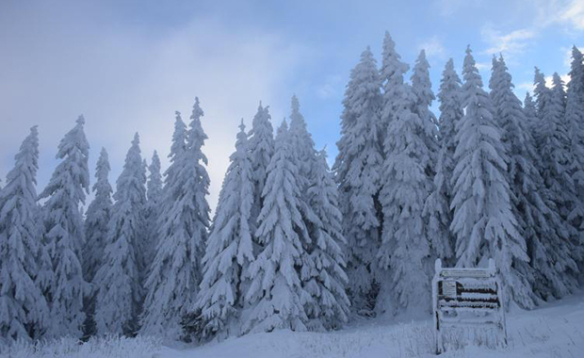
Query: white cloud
(433, 48)
(124, 81)
(509, 44)
(483, 66)
(549, 12)
(573, 14)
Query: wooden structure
(469, 300)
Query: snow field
(557, 330)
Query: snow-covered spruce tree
(152, 213)
(151, 318)
(276, 298)
(542, 93)
(96, 225)
(97, 218)
(176, 271)
(539, 223)
(357, 172)
(575, 123)
(177, 150)
(407, 184)
(304, 157)
(557, 159)
(329, 307)
(531, 117)
(303, 146)
(484, 223)
(423, 98)
(118, 279)
(229, 248)
(23, 308)
(392, 77)
(322, 272)
(261, 146)
(553, 141)
(437, 206)
(64, 234)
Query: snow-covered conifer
(539, 223)
(97, 218)
(119, 278)
(553, 141)
(154, 200)
(96, 225)
(484, 223)
(303, 146)
(575, 124)
(542, 93)
(392, 78)
(423, 98)
(407, 184)
(261, 146)
(358, 175)
(329, 307)
(230, 247)
(64, 234)
(322, 273)
(23, 308)
(175, 274)
(557, 159)
(530, 114)
(437, 206)
(276, 298)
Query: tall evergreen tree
(531, 117)
(437, 206)
(329, 307)
(303, 146)
(575, 123)
(322, 273)
(230, 248)
(152, 321)
(557, 159)
(97, 218)
(542, 93)
(175, 274)
(392, 78)
(261, 146)
(119, 277)
(276, 298)
(423, 98)
(24, 311)
(152, 214)
(484, 223)
(553, 146)
(358, 169)
(408, 182)
(96, 226)
(64, 234)
(539, 223)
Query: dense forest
(293, 243)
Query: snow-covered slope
(556, 330)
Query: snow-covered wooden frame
(467, 298)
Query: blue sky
(128, 65)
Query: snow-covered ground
(555, 330)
